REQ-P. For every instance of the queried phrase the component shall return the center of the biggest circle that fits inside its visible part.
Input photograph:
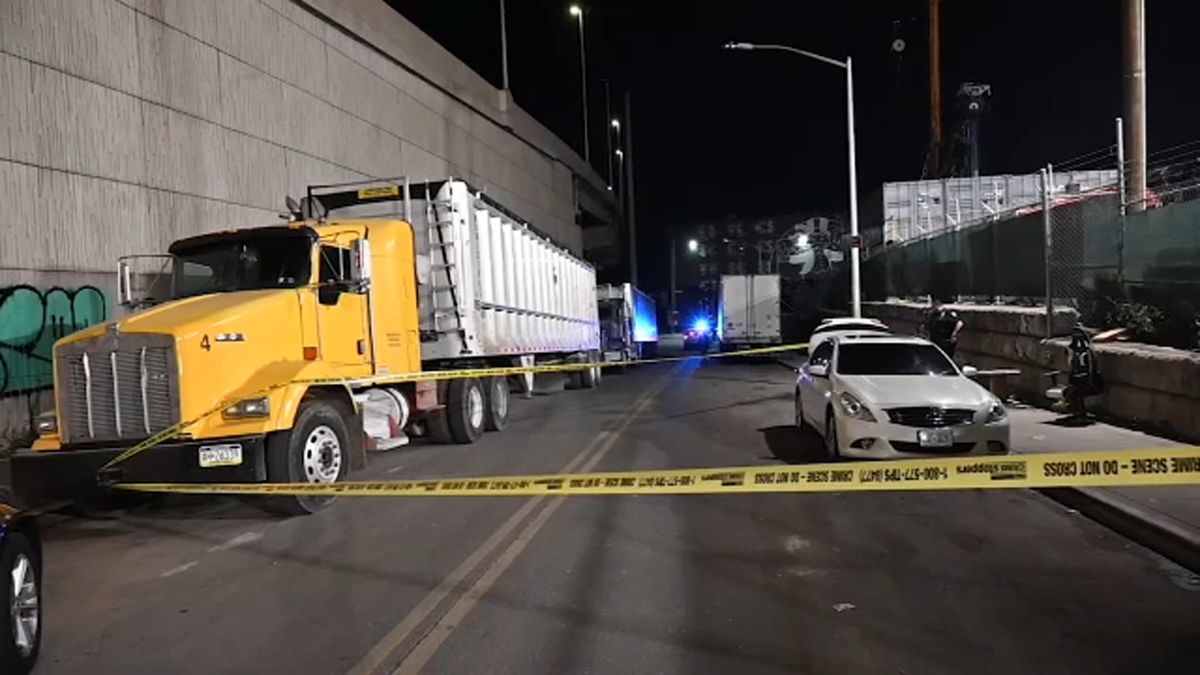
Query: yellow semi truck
(273, 343)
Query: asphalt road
(995, 582)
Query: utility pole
(1135, 100)
(631, 208)
(935, 88)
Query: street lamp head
(744, 46)
(576, 10)
(616, 124)
(693, 245)
(620, 153)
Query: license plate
(226, 454)
(935, 438)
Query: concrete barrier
(1150, 386)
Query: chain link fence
(1083, 262)
(1137, 267)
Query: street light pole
(503, 47)
(631, 202)
(608, 131)
(577, 12)
(855, 279)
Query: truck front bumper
(43, 477)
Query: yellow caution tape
(430, 376)
(1174, 466)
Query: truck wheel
(574, 380)
(495, 412)
(465, 409)
(588, 378)
(316, 450)
(21, 615)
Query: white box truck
(628, 322)
(748, 311)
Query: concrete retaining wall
(127, 124)
(1157, 387)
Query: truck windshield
(242, 264)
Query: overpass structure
(126, 124)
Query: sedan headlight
(854, 408)
(248, 409)
(47, 422)
(996, 411)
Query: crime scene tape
(430, 376)
(1174, 466)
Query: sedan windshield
(892, 358)
(242, 264)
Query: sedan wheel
(798, 407)
(832, 452)
(21, 620)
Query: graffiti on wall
(31, 319)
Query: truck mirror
(124, 283)
(144, 280)
(360, 265)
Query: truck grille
(117, 388)
(930, 417)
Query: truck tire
(465, 409)
(315, 450)
(21, 574)
(574, 381)
(495, 412)
(588, 378)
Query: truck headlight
(854, 408)
(248, 409)
(996, 411)
(47, 422)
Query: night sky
(720, 133)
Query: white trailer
(491, 291)
(748, 312)
(490, 286)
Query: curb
(1151, 529)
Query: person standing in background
(943, 326)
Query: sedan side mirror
(970, 371)
(818, 371)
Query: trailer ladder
(441, 239)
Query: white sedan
(888, 397)
(834, 327)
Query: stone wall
(127, 124)
(1155, 387)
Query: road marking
(241, 539)
(396, 637)
(425, 649)
(794, 544)
(180, 569)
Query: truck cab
(243, 349)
